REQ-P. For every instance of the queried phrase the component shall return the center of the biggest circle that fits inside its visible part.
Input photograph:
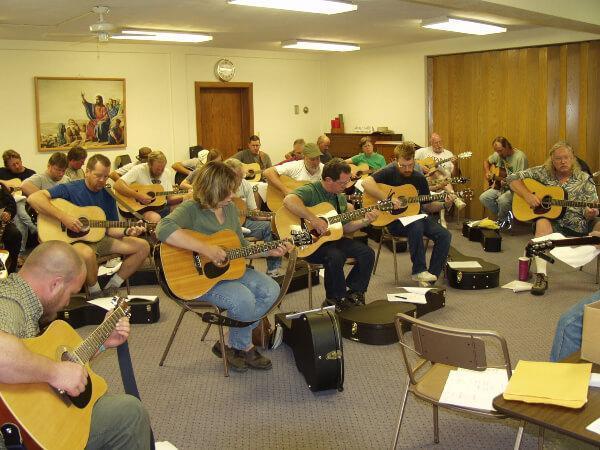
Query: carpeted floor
(194, 406)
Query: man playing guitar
(498, 198)
(51, 274)
(560, 169)
(10, 238)
(91, 192)
(246, 298)
(340, 291)
(402, 172)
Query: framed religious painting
(87, 112)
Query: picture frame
(88, 112)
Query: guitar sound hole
(211, 270)
(82, 400)
(85, 229)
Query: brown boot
(255, 360)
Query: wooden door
(224, 116)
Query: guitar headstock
(459, 180)
(385, 205)
(301, 238)
(536, 248)
(466, 194)
(123, 303)
(354, 197)
(465, 155)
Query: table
(571, 422)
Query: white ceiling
(377, 23)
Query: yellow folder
(560, 384)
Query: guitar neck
(88, 348)
(249, 250)
(586, 240)
(352, 215)
(111, 224)
(258, 214)
(427, 198)
(575, 203)
(170, 192)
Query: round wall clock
(224, 70)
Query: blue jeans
(333, 255)
(498, 202)
(261, 230)
(567, 338)
(414, 232)
(24, 224)
(247, 299)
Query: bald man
(51, 274)
(323, 142)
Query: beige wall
(387, 87)
(160, 92)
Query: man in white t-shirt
(152, 172)
(142, 158)
(259, 227)
(437, 151)
(307, 169)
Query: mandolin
(288, 223)
(47, 418)
(188, 275)
(433, 163)
(411, 202)
(553, 198)
(93, 220)
(155, 191)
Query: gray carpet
(194, 406)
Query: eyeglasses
(406, 166)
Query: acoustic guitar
(253, 171)
(3, 253)
(46, 417)
(275, 196)
(287, 223)
(439, 184)
(553, 204)
(155, 191)
(434, 163)
(187, 275)
(357, 172)
(536, 248)
(13, 185)
(496, 177)
(410, 201)
(244, 212)
(92, 218)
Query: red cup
(523, 268)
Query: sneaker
(106, 292)
(235, 358)
(459, 203)
(424, 276)
(275, 273)
(255, 360)
(540, 284)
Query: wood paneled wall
(533, 96)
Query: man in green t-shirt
(340, 291)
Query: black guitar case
(373, 323)
(485, 277)
(317, 345)
(79, 313)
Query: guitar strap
(136, 214)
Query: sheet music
(518, 286)
(594, 427)
(474, 389)
(415, 290)
(410, 219)
(407, 297)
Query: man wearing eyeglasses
(341, 291)
(399, 173)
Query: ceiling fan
(100, 31)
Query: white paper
(416, 290)
(410, 219)
(358, 185)
(518, 286)
(574, 256)
(464, 265)
(549, 237)
(407, 297)
(595, 380)
(103, 302)
(142, 297)
(3, 257)
(164, 445)
(322, 273)
(594, 427)
(474, 389)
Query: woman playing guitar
(246, 298)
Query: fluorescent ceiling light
(319, 45)
(312, 6)
(461, 26)
(165, 36)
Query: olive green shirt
(313, 193)
(190, 216)
(20, 308)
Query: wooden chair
(436, 350)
